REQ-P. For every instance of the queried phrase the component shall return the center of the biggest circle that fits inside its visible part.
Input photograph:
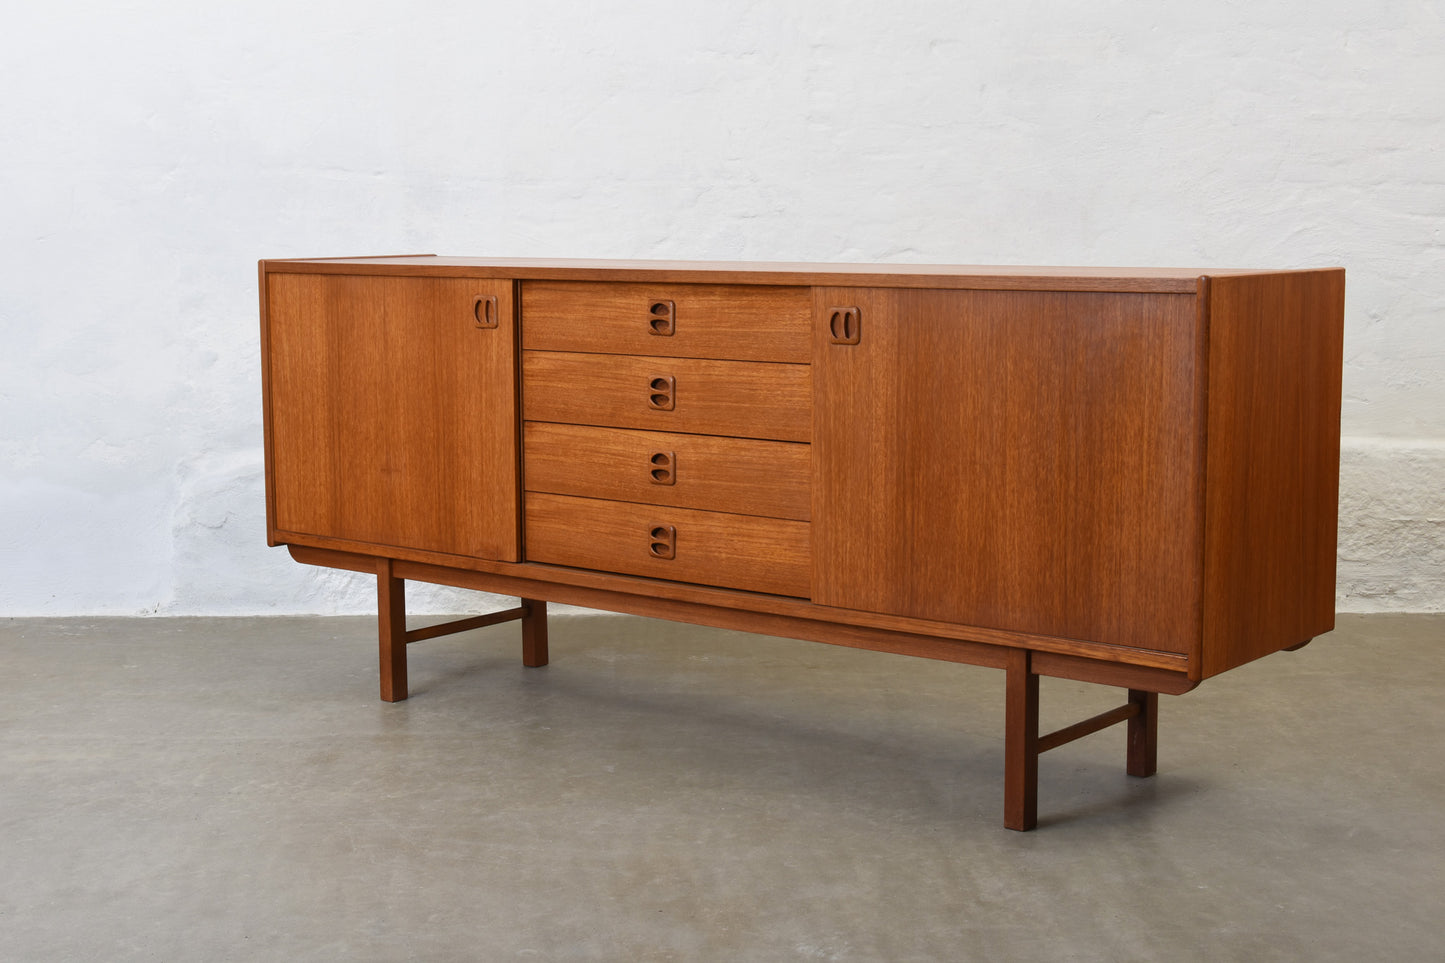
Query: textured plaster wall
(152, 151)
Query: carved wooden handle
(662, 541)
(662, 318)
(845, 325)
(662, 392)
(662, 468)
(484, 310)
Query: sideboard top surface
(1156, 280)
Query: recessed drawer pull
(662, 541)
(662, 390)
(484, 310)
(662, 318)
(662, 467)
(845, 325)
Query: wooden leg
(534, 633)
(1021, 744)
(1144, 734)
(391, 617)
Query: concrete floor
(231, 789)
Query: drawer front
(712, 548)
(738, 475)
(738, 398)
(734, 322)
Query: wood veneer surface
(742, 476)
(724, 321)
(392, 415)
(712, 548)
(1275, 354)
(1015, 460)
(746, 399)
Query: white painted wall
(151, 152)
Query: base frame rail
(1023, 744)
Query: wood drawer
(746, 399)
(737, 322)
(713, 548)
(743, 476)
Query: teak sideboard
(1120, 476)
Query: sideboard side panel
(1272, 465)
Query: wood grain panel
(739, 475)
(1272, 466)
(1012, 460)
(739, 322)
(737, 398)
(392, 414)
(711, 548)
